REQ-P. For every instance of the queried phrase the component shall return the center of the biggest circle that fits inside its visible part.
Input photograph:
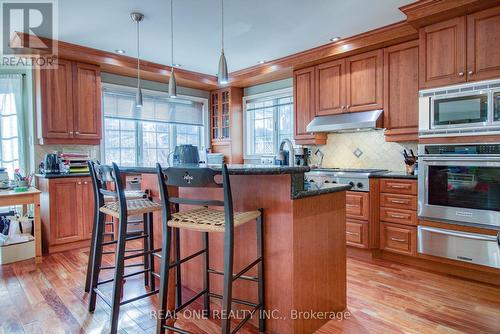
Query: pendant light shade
(172, 85)
(137, 18)
(138, 98)
(222, 74)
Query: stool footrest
(247, 317)
(125, 276)
(139, 297)
(234, 300)
(247, 268)
(192, 299)
(142, 253)
(243, 277)
(126, 266)
(187, 258)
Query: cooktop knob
(351, 184)
(359, 185)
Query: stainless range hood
(355, 121)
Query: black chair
(111, 224)
(121, 208)
(206, 220)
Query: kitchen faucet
(291, 152)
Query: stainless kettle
(184, 154)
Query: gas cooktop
(356, 178)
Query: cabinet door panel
(330, 88)
(304, 101)
(357, 205)
(87, 108)
(87, 207)
(364, 81)
(357, 233)
(398, 238)
(57, 101)
(65, 211)
(442, 53)
(483, 44)
(401, 88)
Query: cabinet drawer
(399, 216)
(398, 201)
(357, 205)
(407, 187)
(357, 233)
(398, 238)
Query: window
(143, 137)
(268, 120)
(11, 122)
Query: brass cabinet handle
(398, 240)
(397, 216)
(77, 132)
(85, 182)
(79, 183)
(471, 72)
(397, 201)
(71, 132)
(460, 74)
(397, 186)
(351, 233)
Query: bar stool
(134, 194)
(206, 220)
(121, 210)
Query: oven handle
(454, 158)
(481, 237)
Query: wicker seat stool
(203, 218)
(121, 209)
(129, 194)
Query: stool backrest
(101, 175)
(195, 177)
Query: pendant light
(222, 75)
(137, 18)
(172, 83)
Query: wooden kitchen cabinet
(364, 81)
(330, 88)
(460, 50)
(483, 49)
(357, 233)
(226, 123)
(304, 107)
(357, 205)
(67, 211)
(442, 53)
(401, 92)
(398, 238)
(68, 101)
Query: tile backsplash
(364, 149)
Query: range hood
(354, 121)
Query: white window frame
(274, 94)
(127, 89)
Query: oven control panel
(461, 149)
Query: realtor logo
(28, 32)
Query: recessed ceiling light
(177, 65)
(120, 51)
(261, 61)
(334, 39)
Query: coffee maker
(301, 156)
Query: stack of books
(75, 162)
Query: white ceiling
(254, 29)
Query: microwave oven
(462, 110)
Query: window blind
(121, 104)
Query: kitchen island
(304, 244)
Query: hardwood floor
(383, 297)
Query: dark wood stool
(206, 220)
(120, 209)
(134, 194)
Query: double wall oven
(460, 183)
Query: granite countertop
(394, 175)
(309, 191)
(58, 176)
(235, 169)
